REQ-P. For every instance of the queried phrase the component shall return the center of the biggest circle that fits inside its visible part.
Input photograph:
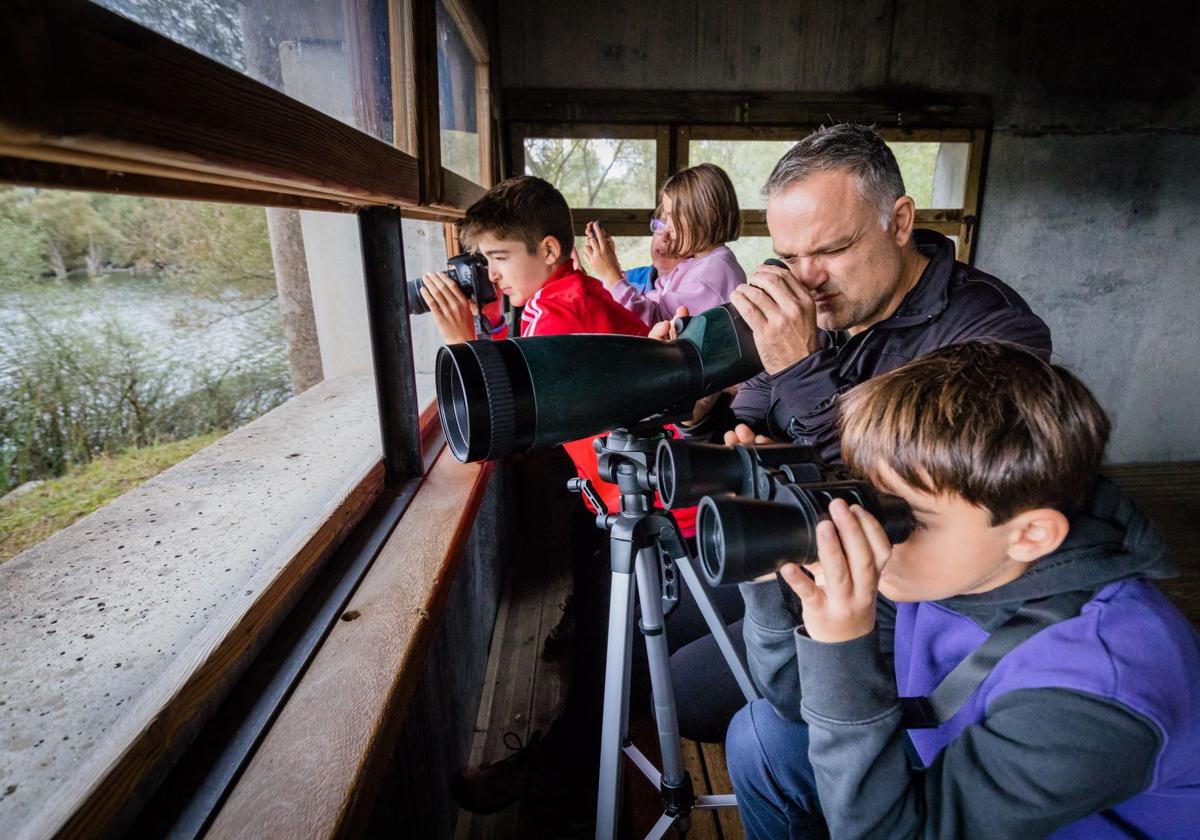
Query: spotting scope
(760, 505)
(500, 397)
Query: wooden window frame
(677, 117)
(109, 105)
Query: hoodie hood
(1110, 540)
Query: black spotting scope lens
(485, 399)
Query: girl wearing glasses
(697, 215)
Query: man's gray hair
(856, 148)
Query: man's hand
(452, 312)
(743, 434)
(840, 604)
(782, 315)
(600, 252)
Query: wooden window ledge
(123, 631)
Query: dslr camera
(469, 272)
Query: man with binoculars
(856, 292)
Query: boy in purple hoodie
(1007, 671)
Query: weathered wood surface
(316, 772)
(100, 91)
(122, 631)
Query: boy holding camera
(523, 227)
(1007, 671)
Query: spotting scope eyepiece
(500, 397)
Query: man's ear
(1036, 533)
(550, 250)
(904, 216)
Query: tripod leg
(615, 731)
(717, 625)
(674, 776)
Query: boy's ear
(550, 249)
(1036, 533)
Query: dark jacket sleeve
(1041, 758)
(1010, 324)
(769, 632)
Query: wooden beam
(391, 342)
(483, 124)
(473, 32)
(316, 773)
(973, 195)
(635, 222)
(404, 87)
(422, 58)
(35, 173)
(102, 92)
(894, 110)
(459, 192)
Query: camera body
(469, 272)
(761, 504)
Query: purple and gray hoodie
(1090, 728)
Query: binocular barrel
(501, 397)
(742, 539)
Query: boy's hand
(452, 311)
(840, 604)
(782, 315)
(600, 252)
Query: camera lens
(416, 303)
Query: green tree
(74, 229)
(596, 172)
(22, 242)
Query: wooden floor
(522, 693)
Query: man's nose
(810, 271)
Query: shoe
(561, 638)
(527, 773)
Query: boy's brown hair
(704, 209)
(987, 420)
(524, 209)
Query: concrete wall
(1090, 194)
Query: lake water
(174, 327)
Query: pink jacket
(699, 283)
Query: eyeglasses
(657, 226)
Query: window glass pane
(456, 99)
(424, 252)
(595, 172)
(133, 331)
(331, 56)
(632, 252)
(929, 169)
(751, 251)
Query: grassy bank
(30, 517)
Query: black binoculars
(760, 505)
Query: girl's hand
(600, 253)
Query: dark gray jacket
(951, 303)
(1039, 756)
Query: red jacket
(572, 302)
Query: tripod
(648, 556)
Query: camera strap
(952, 693)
